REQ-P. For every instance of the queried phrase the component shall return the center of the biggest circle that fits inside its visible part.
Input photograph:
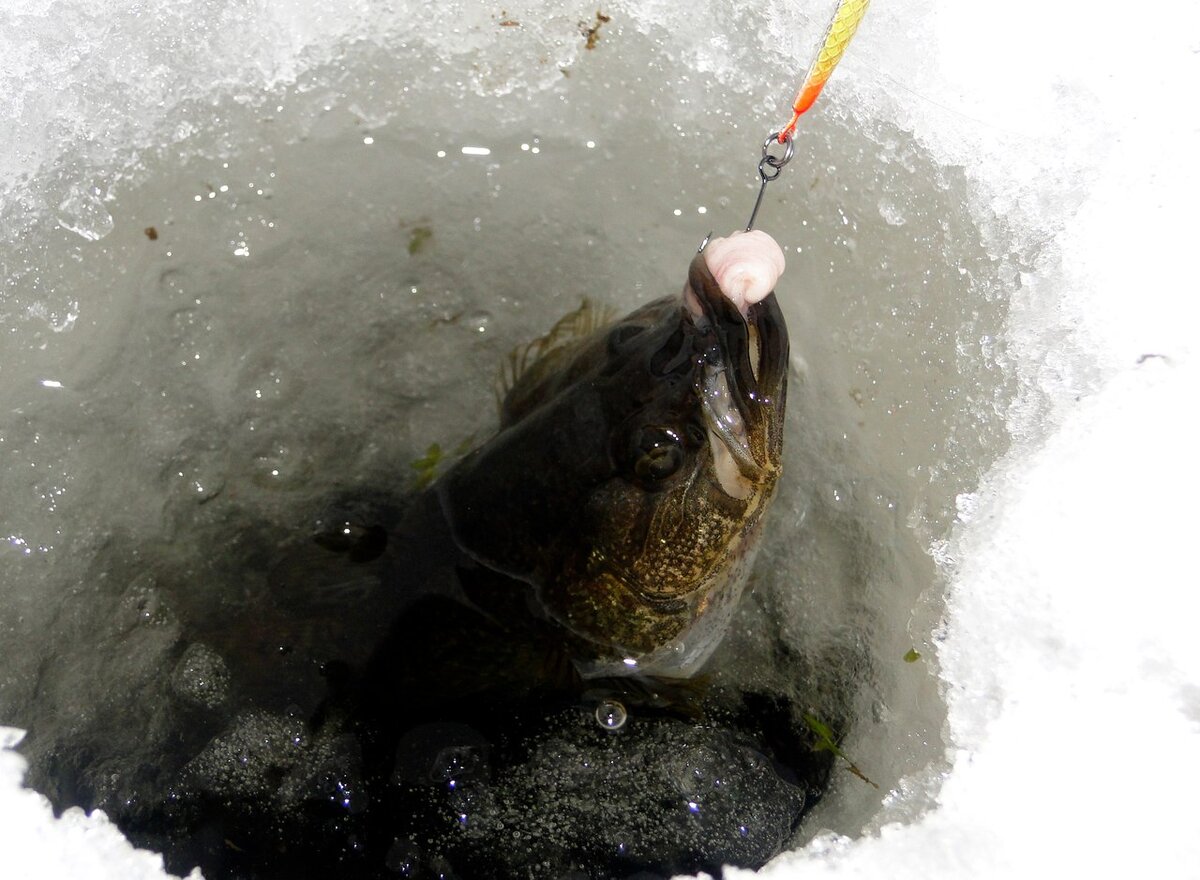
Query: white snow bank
(36, 846)
(1072, 661)
(1071, 657)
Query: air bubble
(611, 715)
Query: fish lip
(757, 395)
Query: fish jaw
(730, 297)
(742, 387)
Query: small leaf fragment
(418, 238)
(827, 743)
(426, 466)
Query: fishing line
(778, 148)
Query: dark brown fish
(628, 480)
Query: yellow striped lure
(841, 29)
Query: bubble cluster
(666, 796)
(201, 677)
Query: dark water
(313, 723)
(239, 696)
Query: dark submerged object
(417, 695)
(629, 477)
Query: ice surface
(989, 241)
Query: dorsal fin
(534, 359)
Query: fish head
(629, 479)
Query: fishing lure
(845, 22)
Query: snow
(1071, 661)
(37, 845)
(1068, 653)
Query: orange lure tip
(845, 22)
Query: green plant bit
(827, 743)
(427, 465)
(418, 238)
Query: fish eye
(658, 454)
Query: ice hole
(286, 251)
(320, 284)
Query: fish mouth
(743, 381)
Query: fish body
(627, 483)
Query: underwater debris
(592, 32)
(418, 238)
(427, 465)
(826, 742)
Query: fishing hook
(770, 165)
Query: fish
(628, 481)
(613, 517)
(606, 529)
(594, 548)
